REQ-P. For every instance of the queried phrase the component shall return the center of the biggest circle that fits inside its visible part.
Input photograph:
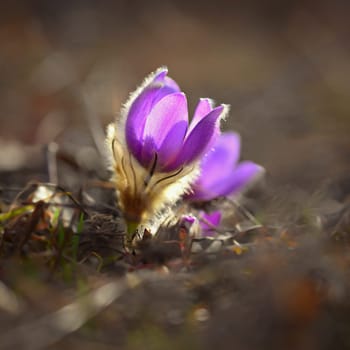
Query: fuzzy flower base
(143, 192)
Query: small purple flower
(209, 222)
(157, 130)
(221, 174)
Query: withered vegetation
(67, 278)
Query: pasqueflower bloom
(154, 150)
(221, 173)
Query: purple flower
(157, 131)
(154, 150)
(221, 174)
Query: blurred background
(283, 66)
(66, 67)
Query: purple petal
(149, 148)
(167, 151)
(239, 178)
(166, 113)
(213, 218)
(229, 142)
(171, 84)
(161, 76)
(203, 108)
(141, 107)
(187, 221)
(209, 223)
(172, 145)
(221, 161)
(197, 141)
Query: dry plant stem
(68, 194)
(245, 212)
(32, 186)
